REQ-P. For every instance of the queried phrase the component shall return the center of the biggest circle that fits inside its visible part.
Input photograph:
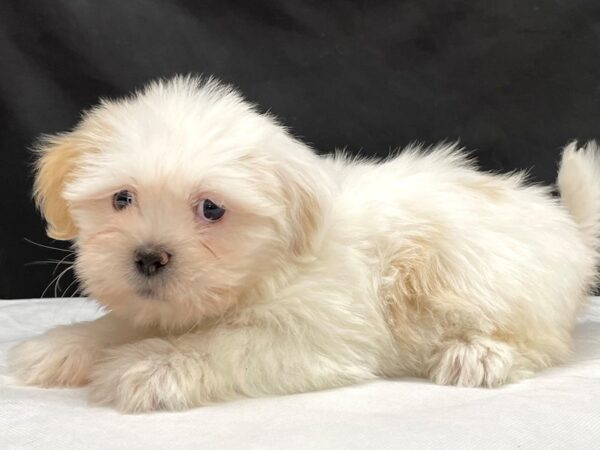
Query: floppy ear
(306, 214)
(57, 160)
(307, 193)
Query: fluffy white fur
(323, 271)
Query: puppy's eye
(123, 199)
(210, 211)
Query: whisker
(55, 279)
(48, 246)
(69, 287)
(209, 249)
(57, 284)
(193, 326)
(62, 261)
(50, 261)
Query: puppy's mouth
(148, 293)
(150, 289)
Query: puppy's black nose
(150, 261)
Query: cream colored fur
(323, 271)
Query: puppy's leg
(472, 362)
(64, 355)
(225, 363)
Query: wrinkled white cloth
(559, 408)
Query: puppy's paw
(480, 362)
(146, 376)
(58, 358)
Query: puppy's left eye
(209, 210)
(123, 199)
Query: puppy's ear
(57, 160)
(307, 194)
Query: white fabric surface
(560, 408)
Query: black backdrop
(513, 79)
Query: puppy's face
(180, 200)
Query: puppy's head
(180, 200)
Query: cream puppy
(232, 261)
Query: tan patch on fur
(409, 277)
(408, 281)
(420, 305)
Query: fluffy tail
(579, 185)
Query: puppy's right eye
(123, 199)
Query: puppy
(234, 262)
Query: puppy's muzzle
(149, 261)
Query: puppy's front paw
(146, 376)
(477, 363)
(58, 358)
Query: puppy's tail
(579, 185)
